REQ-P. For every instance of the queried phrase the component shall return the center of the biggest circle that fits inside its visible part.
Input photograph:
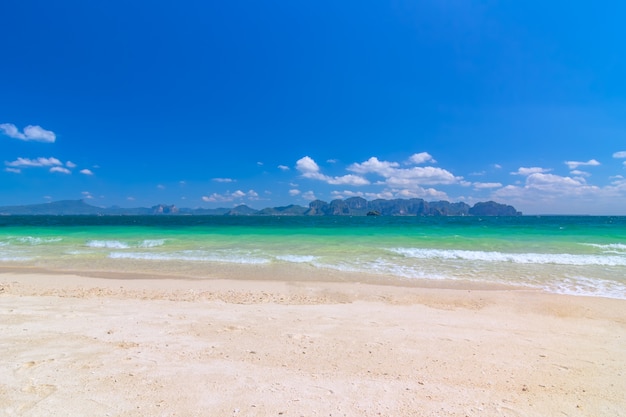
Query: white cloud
(227, 197)
(294, 192)
(374, 166)
(223, 180)
(419, 192)
(309, 169)
(399, 177)
(347, 180)
(31, 133)
(576, 164)
(60, 170)
(13, 170)
(283, 167)
(216, 198)
(86, 172)
(620, 154)
(547, 193)
(70, 164)
(529, 171)
(547, 188)
(39, 162)
(422, 157)
(87, 195)
(309, 195)
(580, 173)
(553, 182)
(347, 194)
(484, 185)
(422, 175)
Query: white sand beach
(83, 346)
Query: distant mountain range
(354, 206)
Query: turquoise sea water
(561, 254)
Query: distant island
(354, 206)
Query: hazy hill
(355, 206)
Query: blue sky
(215, 104)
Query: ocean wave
(519, 258)
(152, 243)
(33, 241)
(618, 248)
(116, 244)
(192, 256)
(109, 244)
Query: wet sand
(77, 346)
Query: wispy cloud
(39, 162)
(294, 192)
(60, 170)
(227, 197)
(309, 195)
(486, 185)
(54, 165)
(30, 133)
(225, 180)
(283, 167)
(529, 171)
(620, 154)
(576, 164)
(580, 173)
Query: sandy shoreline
(76, 346)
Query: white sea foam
(109, 244)
(617, 248)
(520, 258)
(29, 240)
(9, 257)
(297, 258)
(381, 267)
(116, 244)
(588, 287)
(191, 256)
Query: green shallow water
(563, 254)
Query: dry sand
(79, 346)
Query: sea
(579, 255)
